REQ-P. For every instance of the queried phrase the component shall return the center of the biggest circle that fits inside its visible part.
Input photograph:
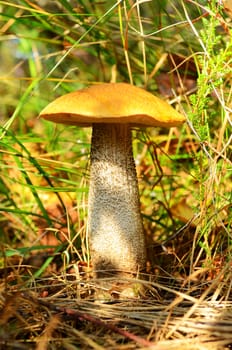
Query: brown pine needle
(83, 316)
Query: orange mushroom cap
(112, 103)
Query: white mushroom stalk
(115, 226)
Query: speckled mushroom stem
(115, 227)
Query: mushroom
(116, 237)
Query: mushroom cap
(112, 103)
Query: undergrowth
(180, 51)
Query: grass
(180, 51)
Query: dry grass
(66, 312)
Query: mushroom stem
(116, 235)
